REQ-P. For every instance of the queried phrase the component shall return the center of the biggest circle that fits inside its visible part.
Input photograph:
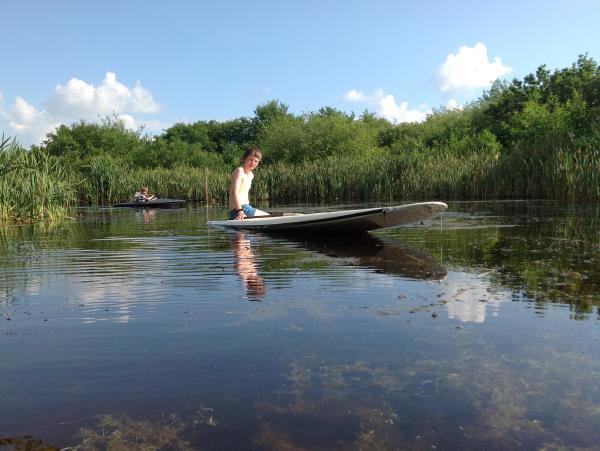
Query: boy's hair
(253, 152)
(144, 189)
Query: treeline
(538, 137)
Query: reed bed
(33, 185)
(186, 183)
(382, 179)
(562, 173)
(565, 172)
(107, 182)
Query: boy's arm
(236, 181)
(234, 192)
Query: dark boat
(155, 203)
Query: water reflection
(416, 338)
(246, 267)
(385, 255)
(473, 298)
(148, 215)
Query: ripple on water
(481, 332)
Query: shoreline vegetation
(536, 138)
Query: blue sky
(157, 62)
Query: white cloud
(453, 105)
(354, 96)
(458, 76)
(28, 122)
(129, 121)
(386, 107)
(77, 96)
(390, 110)
(78, 100)
(468, 70)
(24, 113)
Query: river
(476, 330)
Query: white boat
(342, 221)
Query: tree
(83, 139)
(266, 113)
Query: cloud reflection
(473, 300)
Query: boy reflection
(245, 265)
(148, 215)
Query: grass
(33, 185)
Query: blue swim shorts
(249, 211)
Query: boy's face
(251, 161)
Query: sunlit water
(478, 330)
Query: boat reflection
(383, 254)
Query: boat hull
(344, 221)
(156, 203)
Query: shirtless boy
(143, 195)
(241, 181)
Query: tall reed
(380, 178)
(106, 181)
(566, 172)
(33, 185)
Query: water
(149, 329)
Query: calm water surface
(130, 328)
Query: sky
(156, 63)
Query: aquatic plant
(106, 181)
(121, 432)
(33, 185)
(570, 172)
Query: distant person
(241, 181)
(143, 195)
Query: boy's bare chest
(246, 180)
